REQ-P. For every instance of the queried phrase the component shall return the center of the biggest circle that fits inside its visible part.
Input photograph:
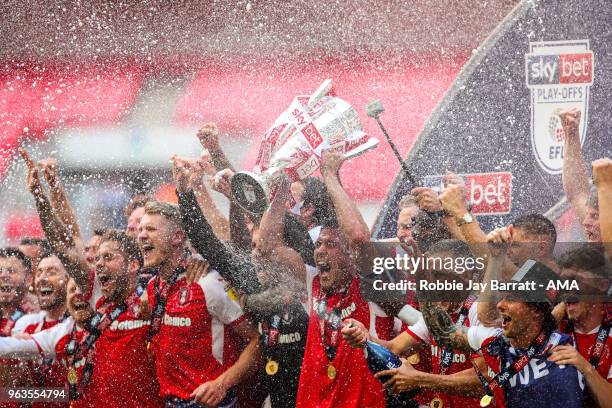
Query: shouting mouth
(324, 266)
(147, 249)
(506, 322)
(45, 291)
(6, 289)
(105, 281)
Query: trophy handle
(369, 145)
(321, 91)
(250, 191)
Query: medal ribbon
(447, 354)
(331, 317)
(100, 322)
(503, 377)
(600, 344)
(161, 298)
(271, 331)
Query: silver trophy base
(248, 192)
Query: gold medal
(436, 403)
(486, 400)
(414, 359)
(271, 367)
(331, 371)
(72, 376)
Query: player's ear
(178, 238)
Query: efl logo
(559, 69)
(488, 193)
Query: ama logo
(559, 75)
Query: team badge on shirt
(183, 296)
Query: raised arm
(218, 221)
(271, 244)
(59, 236)
(349, 218)
(453, 201)
(575, 174)
(488, 314)
(208, 136)
(602, 177)
(59, 199)
(238, 270)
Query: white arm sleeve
(23, 349)
(421, 330)
(478, 334)
(409, 315)
(218, 302)
(47, 340)
(311, 272)
(473, 315)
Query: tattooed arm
(443, 329)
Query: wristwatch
(466, 219)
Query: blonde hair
(169, 211)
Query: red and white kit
(353, 385)
(194, 344)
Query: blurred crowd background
(111, 89)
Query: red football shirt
(191, 347)
(52, 343)
(585, 342)
(354, 385)
(461, 361)
(124, 373)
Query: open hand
(33, 174)
(50, 169)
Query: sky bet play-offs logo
(559, 74)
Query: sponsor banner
(487, 193)
(559, 75)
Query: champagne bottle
(379, 359)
